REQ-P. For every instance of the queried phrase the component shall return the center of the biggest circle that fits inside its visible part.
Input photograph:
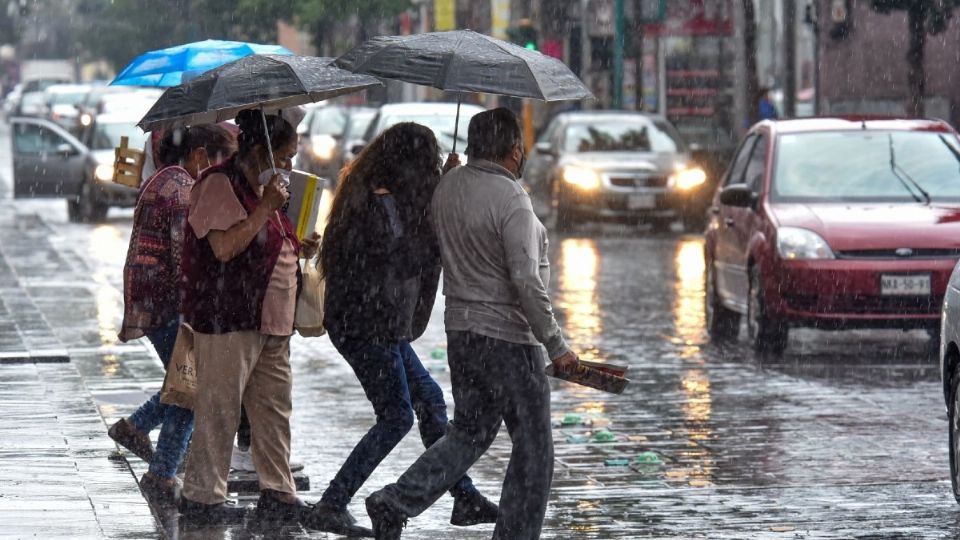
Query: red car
(834, 223)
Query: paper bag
(308, 319)
(180, 383)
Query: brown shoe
(127, 436)
(162, 491)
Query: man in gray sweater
(498, 313)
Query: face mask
(267, 174)
(522, 164)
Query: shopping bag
(180, 383)
(308, 318)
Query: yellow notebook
(303, 208)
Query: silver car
(950, 372)
(615, 166)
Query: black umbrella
(465, 61)
(263, 81)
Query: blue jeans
(177, 422)
(398, 386)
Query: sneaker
(160, 491)
(242, 461)
(211, 514)
(334, 520)
(473, 509)
(387, 522)
(126, 435)
(271, 508)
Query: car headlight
(687, 178)
(794, 243)
(104, 172)
(323, 146)
(581, 177)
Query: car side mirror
(544, 148)
(65, 150)
(738, 195)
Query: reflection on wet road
(843, 436)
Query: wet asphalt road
(845, 436)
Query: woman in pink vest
(240, 282)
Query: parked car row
(70, 153)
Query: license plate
(906, 285)
(641, 201)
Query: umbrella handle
(456, 123)
(266, 132)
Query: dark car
(834, 223)
(615, 166)
(50, 162)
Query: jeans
(398, 387)
(177, 422)
(493, 381)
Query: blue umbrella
(171, 66)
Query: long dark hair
(177, 144)
(252, 134)
(404, 160)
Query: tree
(321, 17)
(120, 30)
(923, 16)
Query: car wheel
(661, 224)
(766, 333)
(933, 331)
(723, 324)
(694, 223)
(564, 218)
(86, 208)
(953, 417)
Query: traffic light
(524, 35)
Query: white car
(439, 117)
(61, 103)
(950, 371)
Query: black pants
(493, 381)
(243, 432)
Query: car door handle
(728, 222)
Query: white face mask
(267, 174)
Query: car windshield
(358, 123)
(866, 166)
(441, 124)
(328, 121)
(68, 98)
(106, 135)
(622, 135)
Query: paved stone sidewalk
(60, 476)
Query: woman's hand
(275, 193)
(310, 245)
(453, 160)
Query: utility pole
(739, 73)
(638, 52)
(586, 51)
(618, 54)
(790, 58)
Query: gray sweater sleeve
(521, 244)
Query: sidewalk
(59, 473)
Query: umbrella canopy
(174, 65)
(258, 81)
(465, 61)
